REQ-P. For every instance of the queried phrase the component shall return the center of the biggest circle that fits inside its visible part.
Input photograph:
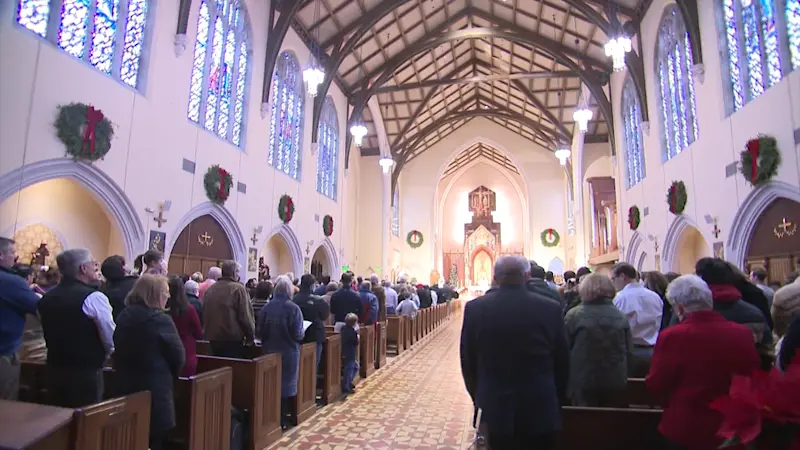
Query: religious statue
(38, 257)
(454, 274)
(482, 202)
(263, 270)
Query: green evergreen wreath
(286, 208)
(550, 237)
(760, 160)
(634, 217)
(85, 131)
(410, 239)
(217, 182)
(327, 226)
(677, 197)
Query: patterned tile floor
(417, 401)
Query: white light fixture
(358, 130)
(313, 77)
(563, 154)
(617, 48)
(582, 115)
(386, 164)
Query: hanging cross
(254, 239)
(160, 220)
(716, 231)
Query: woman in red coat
(186, 321)
(693, 363)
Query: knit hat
(113, 268)
(786, 306)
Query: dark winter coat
(280, 325)
(116, 291)
(148, 356)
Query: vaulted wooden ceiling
(477, 69)
(479, 150)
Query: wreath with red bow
(85, 131)
(677, 197)
(286, 208)
(760, 160)
(327, 226)
(414, 239)
(634, 217)
(217, 182)
(550, 237)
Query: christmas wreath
(634, 217)
(217, 182)
(414, 239)
(760, 160)
(676, 197)
(286, 208)
(85, 131)
(327, 226)
(550, 237)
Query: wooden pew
(381, 340)
(121, 424)
(256, 389)
(204, 348)
(203, 411)
(366, 355)
(331, 368)
(637, 395)
(305, 402)
(34, 427)
(418, 327)
(609, 429)
(395, 334)
(33, 382)
(411, 331)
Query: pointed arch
(328, 152)
(332, 257)
(292, 243)
(97, 182)
(631, 111)
(633, 247)
(225, 220)
(286, 120)
(640, 264)
(673, 237)
(746, 218)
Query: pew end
(121, 424)
(202, 411)
(609, 429)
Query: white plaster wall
(544, 192)
(721, 138)
(153, 133)
(369, 215)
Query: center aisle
(418, 401)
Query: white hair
(402, 280)
(691, 292)
(214, 273)
(366, 285)
(511, 266)
(291, 276)
(70, 261)
(191, 287)
(374, 279)
(284, 286)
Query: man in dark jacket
(345, 300)
(515, 360)
(537, 285)
(228, 315)
(16, 300)
(425, 299)
(315, 310)
(118, 283)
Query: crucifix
(205, 239)
(160, 220)
(256, 231)
(785, 228)
(716, 231)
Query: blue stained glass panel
(793, 30)
(631, 110)
(134, 41)
(72, 32)
(239, 110)
(33, 15)
(770, 31)
(752, 41)
(733, 53)
(216, 72)
(104, 34)
(328, 140)
(287, 115)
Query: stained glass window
(632, 133)
(108, 34)
(758, 54)
(396, 211)
(677, 108)
(286, 124)
(328, 154)
(219, 72)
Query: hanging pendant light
(314, 75)
(582, 115)
(563, 154)
(386, 164)
(358, 130)
(616, 48)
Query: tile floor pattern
(418, 401)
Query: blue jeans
(350, 371)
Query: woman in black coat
(148, 353)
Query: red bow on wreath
(754, 147)
(673, 198)
(288, 211)
(223, 176)
(93, 117)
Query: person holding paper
(280, 323)
(315, 310)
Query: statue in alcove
(263, 270)
(40, 255)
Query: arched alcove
(228, 225)
(57, 211)
(282, 252)
(690, 247)
(774, 244)
(102, 189)
(201, 244)
(324, 261)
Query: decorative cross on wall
(785, 228)
(160, 220)
(205, 239)
(716, 231)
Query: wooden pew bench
(305, 402)
(203, 411)
(609, 429)
(330, 377)
(380, 344)
(257, 390)
(637, 395)
(395, 334)
(366, 354)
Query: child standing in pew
(350, 367)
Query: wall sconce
(386, 164)
(654, 240)
(563, 154)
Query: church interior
(417, 140)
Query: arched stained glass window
(286, 123)
(677, 108)
(632, 129)
(328, 154)
(219, 73)
(759, 54)
(108, 34)
(396, 211)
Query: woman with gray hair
(600, 344)
(280, 325)
(693, 363)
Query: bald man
(214, 274)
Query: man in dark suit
(315, 310)
(515, 360)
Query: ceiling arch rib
(479, 150)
